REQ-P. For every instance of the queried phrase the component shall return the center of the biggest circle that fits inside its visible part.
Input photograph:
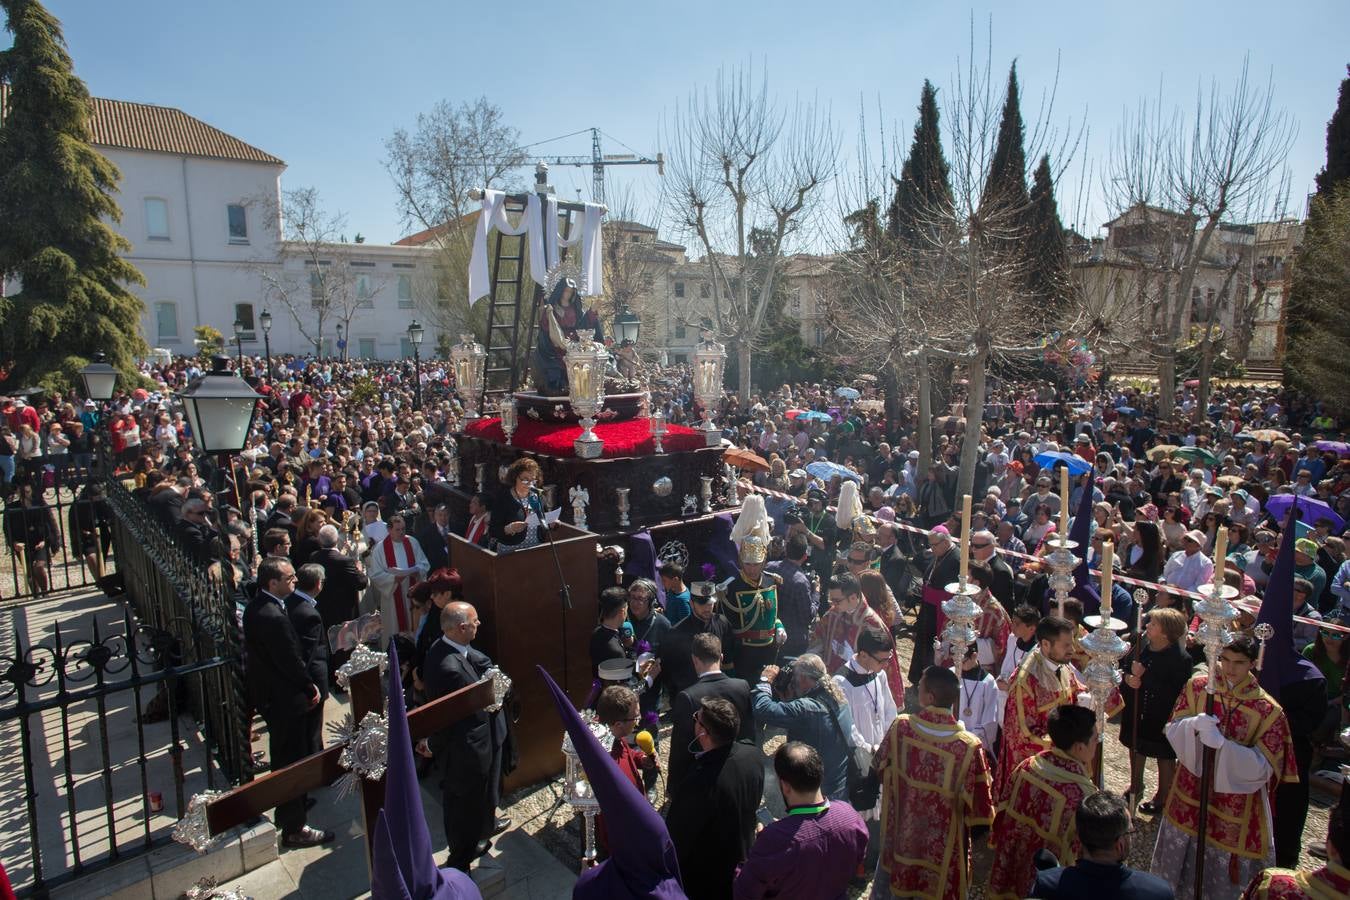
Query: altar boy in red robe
(934, 789)
(1043, 795)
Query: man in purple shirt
(814, 850)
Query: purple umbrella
(1309, 509)
(1340, 448)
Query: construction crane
(598, 161)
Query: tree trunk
(1206, 367)
(924, 426)
(1167, 381)
(743, 379)
(970, 449)
(890, 383)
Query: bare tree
(451, 151)
(1182, 176)
(320, 280)
(957, 293)
(739, 162)
(632, 262)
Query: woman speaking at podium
(518, 514)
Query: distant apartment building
(1241, 280)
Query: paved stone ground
(100, 808)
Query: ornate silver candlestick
(507, 411)
(480, 476)
(706, 492)
(623, 506)
(1102, 673)
(657, 426)
(1062, 562)
(452, 468)
(1217, 615)
(961, 611)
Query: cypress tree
(1047, 257)
(1338, 143)
(923, 192)
(1317, 328)
(56, 199)
(1005, 196)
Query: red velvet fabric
(628, 438)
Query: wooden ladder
(508, 334)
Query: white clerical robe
(395, 567)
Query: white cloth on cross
(494, 216)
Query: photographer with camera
(802, 699)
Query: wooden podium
(524, 624)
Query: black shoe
(482, 848)
(500, 825)
(307, 837)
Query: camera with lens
(784, 684)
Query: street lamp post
(627, 326)
(415, 334)
(220, 408)
(239, 343)
(341, 342)
(100, 381)
(265, 320)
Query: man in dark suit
(281, 515)
(707, 657)
(433, 538)
(343, 580)
(281, 689)
(677, 667)
(712, 811)
(984, 548)
(892, 563)
(469, 751)
(303, 610)
(1104, 828)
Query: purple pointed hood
(721, 552)
(642, 561)
(1080, 532)
(402, 864)
(1282, 663)
(642, 863)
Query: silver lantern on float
(470, 361)
(585, 360)
(710, 362)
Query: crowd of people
(337, 508)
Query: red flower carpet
(628, 438)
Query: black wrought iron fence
(57, 532)
(173, 592)
(116, 722)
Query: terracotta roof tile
(162, 129)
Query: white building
(200, 209)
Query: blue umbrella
(847, 393)
(1077, 465)
(1309, 509)
(815, 415)
(825, 470)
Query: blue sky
(323, 84)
